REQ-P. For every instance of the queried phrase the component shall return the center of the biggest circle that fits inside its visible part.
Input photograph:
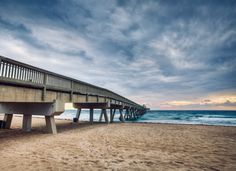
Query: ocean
(203, 117)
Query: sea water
(225, 118)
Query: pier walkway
(28, 90)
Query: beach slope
(118, 146)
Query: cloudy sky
(165, 54)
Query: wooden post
(27, 119)
(8, 119)
(91, 115)
(50, 124)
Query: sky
(165, 54)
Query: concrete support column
(100, 118)
(135, 117)
(105, 115)
(50, 124)
(129, 113)
(76, 119)
(8, 119)
(26, 126)
(91, 115)
(121, 116)
(111, 115)
(138, 113)
(132, 112)
(126, 113)
(104, 112)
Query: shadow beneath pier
(69, 126)
(39, 129)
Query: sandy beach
(118, 146)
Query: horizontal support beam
(88, 105)
(47, 109)
(117, 106)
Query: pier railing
(17, 73)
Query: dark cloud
(229, 103)
(15, 27)
(183, 48)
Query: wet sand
(118, 146)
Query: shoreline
(85, 121)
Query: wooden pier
(29, 90)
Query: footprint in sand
(64, 158)
(34, 162)
(12, 166)
(43, 160)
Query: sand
(118, 146)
